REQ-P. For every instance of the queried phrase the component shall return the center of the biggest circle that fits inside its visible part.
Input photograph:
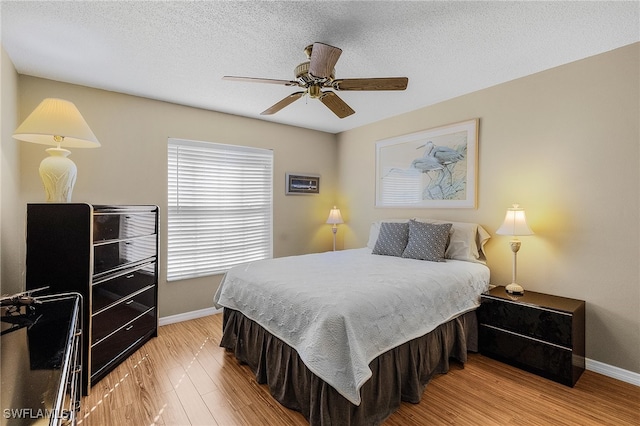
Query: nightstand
(537, 332)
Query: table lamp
(515, 224)
(334, 219)
(59, 123)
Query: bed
(344, 337)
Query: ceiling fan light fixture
(318, 72)
(314, 91)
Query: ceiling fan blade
(283, 103)
(335, 104)
(323, 59)
(385, 83)
(260, 80)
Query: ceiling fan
(316, 74)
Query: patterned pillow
(392, 239)
(427, 241)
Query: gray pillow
(427, 241)
(392, 239)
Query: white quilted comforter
(340, 310)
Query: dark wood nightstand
(537, 332)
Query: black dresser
(41, 353)
(537, 332)
(108, 254)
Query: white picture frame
(435, 168)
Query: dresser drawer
(113, 288)
(121, 226)
(116, 316)
(119, 254)
(108, 351)
(544, 324)
(550, 361)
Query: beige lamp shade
(334, 216)
(59, 123)
(515, 223)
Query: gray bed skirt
(400, 374)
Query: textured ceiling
(178, 51)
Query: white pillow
(466, 240)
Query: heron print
(424, 168)
(447, 181)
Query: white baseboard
(613, 372)
(591, 365)
(188, 316)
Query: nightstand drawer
(547, 360)
(538, 332)
(544, 324)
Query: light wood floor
(183, 377)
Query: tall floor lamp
(515, 224)
(59, 123)
(335, 218)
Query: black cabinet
(537, 332)
(108, 254)
(40, 357)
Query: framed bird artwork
(435, 168)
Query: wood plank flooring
(183, 377)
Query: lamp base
(334, 229)
(514, 288)
(58, 174)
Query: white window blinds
(219, 207)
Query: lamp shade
(334, 216)
(515, 223)
(59, 123)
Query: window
(219, 207)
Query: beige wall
(130, 168)
(12, 237)
(563, 143)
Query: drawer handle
(130, 276)
(128, 328)
(128, 302)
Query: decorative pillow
(374, 231)
(427, 241)
(466, 240)
(392, 239)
